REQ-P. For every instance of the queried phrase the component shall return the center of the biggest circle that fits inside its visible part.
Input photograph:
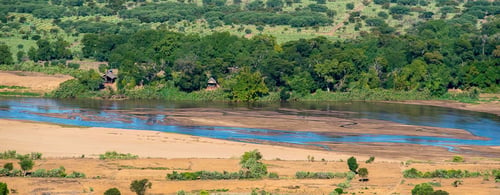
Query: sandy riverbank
(492, 107)
(32, 81)
(59, 141)
(64, 146)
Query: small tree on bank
(140, 186)
(353, 164)
(112, 191)
(251, 165)
(26, 164)
(3, 189)
(363, 172)
(8, 166)
(422, 189)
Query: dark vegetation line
(424, 62)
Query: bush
(458, 159)
(116, 155)
(112, 191)
(441, 173)
(422, 189)
(273, 175)
(140, 186)
(4, 190)
(353, 165)
(182, 192)
(4, 172)
(456, 183)
(301, 174)
(204, 175)
(59, 172)
(16, 173)
(440, 192)
(344, 185)
(318, 175)
(370, 160)
(26, 164)
(496, 173)
(412, 173)
(36, 155)
(39, 173)
(74, 65)
(350, 175)
(363, 172)
(8, 166)
(76, 175)
(9, 154)
(251, 164)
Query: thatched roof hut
(109, 77)
(212, 84)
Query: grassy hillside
(24, 20)
(294, 47)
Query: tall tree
(5, 54)
(247, 86)
(116, 5)
(140, 186)
(353, 165)
(4, 190)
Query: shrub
(182, 192)
(370, 160)
(412, 173)
(58, 172)
(458, 159)
(339, 190)
(422, 189)
(441, 173)
(116, 155)
(334, 192)
(39, 173)
(4, 172)
(363, 172)
(440, 192)
(204, 175)
(112, 191)
(26, 164)
(73, 65)
(4, 190)
(8, 166)
(456, 183)
(350, 175)
(344, 185)
(15, 173)
(140, 186)
(435, 184)
(36, 155)
(353, 165)
(9, 154)
(349, 6)
(251, 165)
(496, 173)
(318, 175)
(274, 175)
(76, 175)
(301, 175)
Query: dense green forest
(415, 46)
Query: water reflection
(151, 115)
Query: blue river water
(154, 115)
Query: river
(151, 115)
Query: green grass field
(346, 30)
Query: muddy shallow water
(165, 116)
